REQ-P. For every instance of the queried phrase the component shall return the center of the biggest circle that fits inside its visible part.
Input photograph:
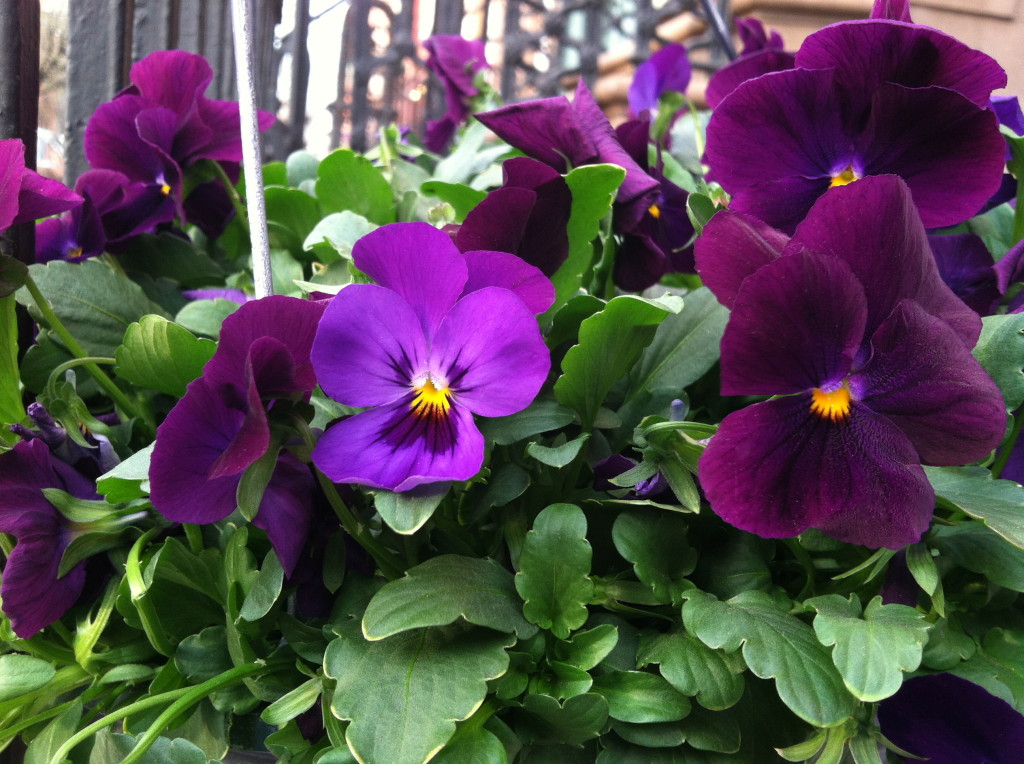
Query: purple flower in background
(93, 459)
(527, 216)
(966, 266)
(867, 98)
(455, 61)
(220, 427)
(893, 10)
(870, 352)
(667, 70)
(25, 195)
(1009, 271)
(762, 53)
(436, 340)
(33, 596)
(945, 719)
(565, 134)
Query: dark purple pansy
(966, 266)
(33, 596)
(655, 487)
(870, 354)
(945, 719)
(25, 195)
(1009, 271)
(455, 61)
(92, 459)
(439, 337)
(867, 98)
(565, 134)
(667, 70)
(762, 53)
(220, 427)
(527, 216)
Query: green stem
(195, 537)
(236, 199)
(1004, 455)
(105, 382)
(137, 586)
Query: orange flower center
(432, 400)
(655, 211)
(834, 405)
(845, 177)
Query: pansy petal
(490, 350)
(1010, 268)
(501, 269)
(735, 73)
(173, 78)
(777, 469)
(41, 197)
(922, 378)
(498, 222)
(224, 143)
(639, 263)
(112, 140)
(545, 129)
(667, 70)
(894, 10)
(966, 267)
(286, 510)
(390, 447)
(33, 596)
(797, 323)
(368, 347)
(781, 203)
(12, 165)
(417, 261)
(731, 247)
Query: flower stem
(233, 195)
(1007, 451)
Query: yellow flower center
(432, 401)
(74, 252)
(834, 405)
(655, 211)
(165, 189)
(843, 178)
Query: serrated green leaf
(20, 674)
(975, 547)
(554, 570)
(558, 456)
(775, 645)
(162, 355)
(997, 503)
(545, 720)
(1000, 350)
(655, 542)
(610, 342)
(291, 216)
(403, 695)
(640, 697)
(871, 651)
(406, 513)
(128, 672)
(562, 681)
(540, 416)
(713, 677)
(334, 236)
(442, 590)
(348, 181)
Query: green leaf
(998, 666)
(655, 542)
(588, 648)
(13, 275)
(266, 588)
(45, 744)
(775, 645)
(636, 696)
(558, 456)
(299, 166)
(562, 681)
(713, 677)
(347, 181)
(871, 651)
(96, 303)
(476, 747)
(129, 479)
(20, 674)
(166, 256)
(554, 569)
(975, 547)
(290, 705)
(291, 216)
(206, 316)
(11, 409)
(1000, 350)
(462, 198)
(700, 209)
(922, 567)
(404, 694)
(406, 513)
(162, 355)
(540, 416)
(335, 235)
(442, 590)
(593, 189)
(111, 748)
(997, 503)
(610, 342)
(578, 719)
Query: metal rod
(251, 153)
(717, 23)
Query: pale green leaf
(713, 677)
(162, 355)
(997, 503)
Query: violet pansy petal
(438, 133)
(966, 267)
(545, 129)
(893, 10)
(12, 164)
(41, 197)
(667, 70)
(389, 447)
(368, 347)
(1008, 112)
(781, 203)
(639, 263)
(455, 60)
(922, 378)
(1010, 268)
(498, 222)
(868, 53)
(286, 510)
(225, 141)
(418, 262)
(797, 323)
(174, 79)
(731, 247)
(949, 720)
(112, 140)
(735, 73)
(33, 596)
(501, 269)
(252, 439)
(490, 350)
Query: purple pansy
(33, 596)
(870, 354)
(25, 195)
(966, 266)
(565, 134)
(527, 216)
(439, 337)
(455, 61)
(762, 53)
(866, 98)
(92, 459)
(667, 70)
(1009, 271)
(221, 427)
(945, 719)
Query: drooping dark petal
(498, 222)
(735, 73)
(755, 37)
(39, 197)
(73, 236)
(667, 70)
(966, 267)
(873, 225)
(286, 511)
(639, 263)
(1010, 268)
(455, 61)
(899, 586)
(501, 269)
(673, 230)
(796, 324)
(952, 161)
(490, 350)
(949, 720)
(546, 129)
(731, 247)
(418, 262)
(224, 143)
(390, 447)
(439, 133)
(922, 378)
(777, 469)
(368, 347)
(866, 54)
(782, 203)
(209, 208)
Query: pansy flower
(221, 427)
(440, 337)
(866, 98)
(455, 61)
(25, 195)
(966, 266)
(762, 53)
(868, 355)
(667, 70)
(33, 596)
